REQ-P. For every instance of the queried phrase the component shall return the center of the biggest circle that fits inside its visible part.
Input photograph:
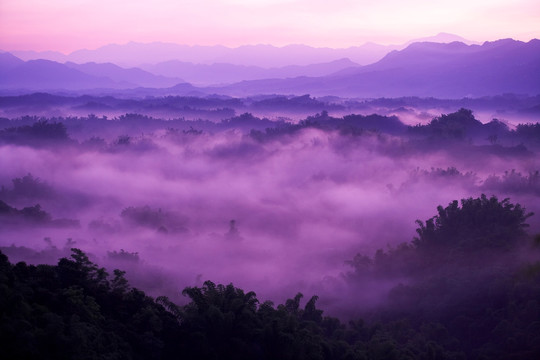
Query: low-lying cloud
(160, 206)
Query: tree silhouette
(481, 223)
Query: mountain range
(135, 54)
(423, 69)
(224, 73)
(51, 75)
(427, 69)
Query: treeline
(458, 128)
(31, 216)
(509, 182)
(467, 291)
(472, 274)
(210, 107)
(215, 105)
(75, 310)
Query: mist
(244, 193)
(275, 212)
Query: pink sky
(68, 25)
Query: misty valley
(193, 201)
(270, 227)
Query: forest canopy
(77, 310)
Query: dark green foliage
(514, 182)
(123, 133)
(31, 216)
(454, 126)
(481, 223)
(528, 131)
(350, 125)
(72, 311)
(40, 132)
(27, 187)
(450, 307)
(458, 237)
(385, 124)
(461, 285)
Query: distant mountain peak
(446, 70)
(499, 42)
(444, 37)
(9, 61)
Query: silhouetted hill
(50, 75)
(425, 69)
(451, 70)
(443, 37)
(26, 55)
(223, 73)
(8, 61)
(45, 74)
(427, 55)
(266, 56)
(132, 75)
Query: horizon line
(467, 42)
(368, 42)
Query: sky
(68, 25)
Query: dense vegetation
(29, 216)
(469, 293)
(223, 106)
(458, 128)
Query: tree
(481, 223)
